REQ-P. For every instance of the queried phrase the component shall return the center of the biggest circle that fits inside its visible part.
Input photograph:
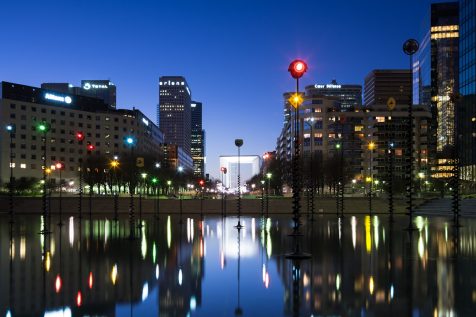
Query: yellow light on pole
(48, 170)
(296, 100)
(114, 163)
(371, 146)
(368, 179)
(421, 175)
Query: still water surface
(359, 266)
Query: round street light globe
(299, 66)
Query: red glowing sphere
(297, 68)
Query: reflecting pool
(188, 266)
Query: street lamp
(239, 144)
(410, 47)
(297, 68)
(80, 137)
(10, 128)
(115, 164)
(60, 166)
(262, 196)
(202, 186)
(130, 141)
(268, 177)
(43, 128)
(180, 170)
(144, 177)
(371, 148)
(223, 171)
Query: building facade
(176, 157)
(198, 140)
(381, 84)
(328, 134)
(350, 96)
(100, 89)
(105, 129)
(174, 114)
(467, 89)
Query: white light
(180, 277)
(193, 303)
(66, 312)
(157, 272)
(146, 122)
(87, 86)
(392, 292)
(145, 291)
(71, 231)
(54, 97)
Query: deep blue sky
(234, 53)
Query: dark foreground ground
(31, 205)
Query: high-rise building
(381, 84)
(101, 89)
(198, 140)
(350, 96)
(467, 88)
(174, 111)
(435, 78)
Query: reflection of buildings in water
(86, 267)
(353, 268)
(180, 284)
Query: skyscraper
(467, 88)
(198, 140)
(174, 111)
(381, 84)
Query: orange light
(79, 299)
(90, 280)
(295, 100)
(371, 146)
(58, 283)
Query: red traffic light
(90, 147)
(79, 136)
(201, 182)
(297, 68)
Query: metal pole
(80, 206)
(10, 189)
(60, 223)
(371, 181)
(131, 196)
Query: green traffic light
(154, 180)
(42, 127)
(338, 146)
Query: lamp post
(239, 144)
(262, 197)
(43, 128)
(410, 47)
(11, 130)
(60, 166)
(115, 164)
(223, 201)
(80, 137)
(180, 171)
(144, 177)
(297, 68)
(130, 141)
(155, 183)
(268, 177)
(340, 182)
(370, 179)
(202, 186)
(90, 148)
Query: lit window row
(444, 35)
(444, 28)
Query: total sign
(54, 97)
(88, 86)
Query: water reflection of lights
(222, 259)
(157, 272)
(22, 247)
(79, 299)
(106, 232)
(376, 236)
(338, 282)
(58, 283)
(52, 246)
(247, 247)
(65, 312)
(368, 236)
(193, 303)
(392, 291)
(9, 314)
(114, 274)
(339, 222)
(90, 280)
(145, 291)
(71, 231)
(143, 245)
(47, 261)
(371, 285)
(169, 232)
(353, 225)
(180, 277)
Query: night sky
(234, 53)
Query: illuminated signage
(50, 96)
(328, 86)
(88, 86)
(146, 122)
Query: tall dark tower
(198, 140)
(174, 111)
(467, 89)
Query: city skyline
(238, 70)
